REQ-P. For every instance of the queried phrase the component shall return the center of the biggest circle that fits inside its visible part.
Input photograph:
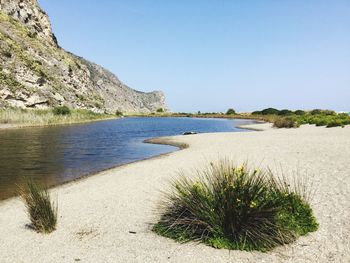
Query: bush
(61, 110)
(285, 123)
(235, 208)
(270, 111)
(160, 110)
(316, 112)
(118, 113)
(230, 112)
(256, 112)
(320, 121)
(335, 123)
(285, 112)
(42, 212)
(299, 112)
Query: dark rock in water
(189, 133)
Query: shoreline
(10, 126)
(165, 140)
(158, 140)
(123, 199)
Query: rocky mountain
(36, 73)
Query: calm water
(59, 154)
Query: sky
(211, 55)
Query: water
(54, 155)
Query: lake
(57, 154)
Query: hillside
(35, 72)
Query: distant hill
(36, 73)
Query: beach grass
(235, 208)
(55, 116)
(41, 210)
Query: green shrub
(7, 54)
(256, 112)
(335, 123)
(270, 111)
(235, 208)
(299, 112)
(230, 112)
(329, 112)
(160, 110)
(316, 112)
(61, 110)
(42, 212)
(286, 122)
(285, 112)
(320, 121)
(118, 113)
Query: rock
(189, 133)
(41, 74)
(35, 100)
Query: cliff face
(36, 73)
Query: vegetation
(42, 212)
(230, 112)
(160, 110)
(285, 112)
(61, 110)
(36, 117)
(289, 119)
(270, 111)
(280, 118)
(118, 113)
(285, 123)
(235, 208)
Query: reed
(41, 210)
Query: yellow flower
(252, 204)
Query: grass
(42, 212)
(36, 117)
(235, 208)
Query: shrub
(256, 112)
(270, 111)
(7, 54)
(335, 123)
(118, 113)
(230, 112)
(61, 110)
(316, 112)
(320, 121)
(299, 112)
(285, 123)
(285, 112)
(42, 212)
(329, 112)
(160, 110)
(235, 208)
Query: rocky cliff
(36, 73)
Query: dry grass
(20, 117)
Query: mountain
(35, 72)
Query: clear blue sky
(210, 55)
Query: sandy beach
(96, 214)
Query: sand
(97, 213)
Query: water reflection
(54, 155)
